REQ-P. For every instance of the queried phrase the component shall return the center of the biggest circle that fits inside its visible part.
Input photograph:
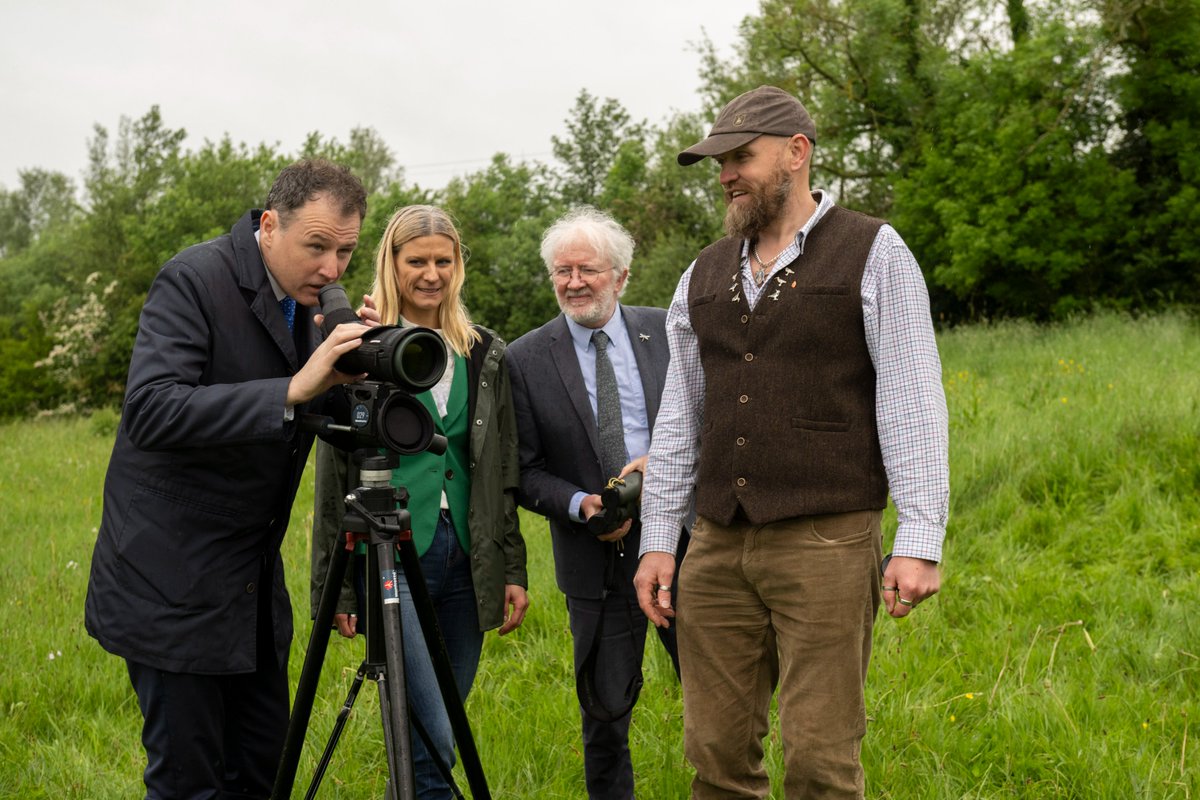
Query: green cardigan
(496, 547)
(426, 475)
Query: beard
(748, 220)
(594, 314)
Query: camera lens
(418, 359)
(404, 424)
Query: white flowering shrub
(78, 332)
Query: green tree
(1158, 89)
(597, 133)
(210, 189)
(865, 68)
(125, 177)
(146, 199)
(39, 223)
(990, 136)
(43, 201)
(72, 300)
(501, 212)
(672, 212)
(73, 278)
(24, 387)
(366, 155)
(1009, 206)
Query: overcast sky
(446, 83)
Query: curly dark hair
(305, 180)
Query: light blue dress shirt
(634, 420)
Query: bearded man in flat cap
(804, 387)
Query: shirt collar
(583, 335)
(279, 293)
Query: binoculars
(620, 499)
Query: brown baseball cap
(767, 109)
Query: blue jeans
(447, 571)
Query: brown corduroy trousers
(788, 604)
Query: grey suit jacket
(559, 445)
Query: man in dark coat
(187, 582)
(559, 397)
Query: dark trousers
(212, 736)
(606, 760)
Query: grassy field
(1061, 660)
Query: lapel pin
(645, 337)
(737, 297)
(774, 295)
(789, 270)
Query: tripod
(377, 511)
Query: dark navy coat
(205, 467)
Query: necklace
(760, 274)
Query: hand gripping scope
(399, 362)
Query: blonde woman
(464, 518)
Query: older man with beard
(804, 384)
(586, 389)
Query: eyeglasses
(586, 274)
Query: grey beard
(598, 312)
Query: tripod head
(376, 507)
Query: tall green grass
(1061, 660)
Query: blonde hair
(413, 222)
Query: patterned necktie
(608, 410)
(288, 306)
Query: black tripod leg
(459, 724)
(336, 734)
(310, 675)
(392, 688)
(389, 743)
